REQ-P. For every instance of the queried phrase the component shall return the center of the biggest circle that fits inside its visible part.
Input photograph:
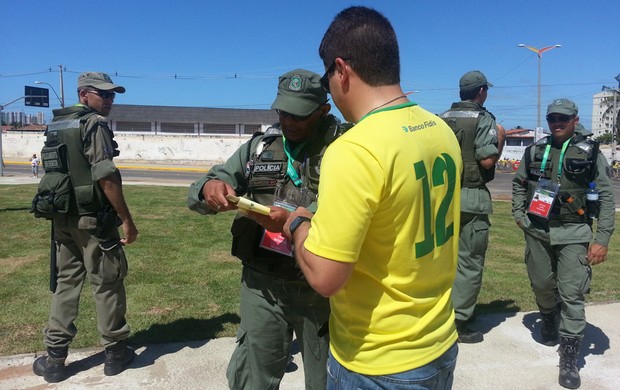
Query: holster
(107, 220)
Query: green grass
(183, 284)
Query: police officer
(275, 298)
(481, 141)
(549, 203)
(87, 237)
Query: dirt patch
(10, 264)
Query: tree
(604, 138)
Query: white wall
(134, 147)
(176, 148)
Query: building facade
(137, 119)
(603, 112)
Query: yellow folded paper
(247, 204)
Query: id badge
(544, 196)
(276, 242)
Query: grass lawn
(184, 285)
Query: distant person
(560, 245)
(383, 242)
(34, 161)
(281, 167)
(481, 141)
(87, 237)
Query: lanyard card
(276, 242)
(545, 194)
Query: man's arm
(326, 276)
(519, 192)
(113, 189)
(490, 136)
(597, 252)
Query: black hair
(366, 40)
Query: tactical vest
(88, 195)
(578, 170)
(464, 122)
(266, 168)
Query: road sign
(37, 97)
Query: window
(177, 128)
(214, 128)
(134, 126)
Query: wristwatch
(297, 222)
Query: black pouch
(54, 196)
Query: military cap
(99, 81)
(299, 93)
(472, 80)
(562, 106)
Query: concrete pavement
(509, 358)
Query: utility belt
(246, 235)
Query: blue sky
(230, 54)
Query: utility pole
(62, 89)
(614, 118)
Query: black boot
(117, 358)
(51, 366)
(569, 372)
(549, 331)
(466, 334)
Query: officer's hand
(130, 231)
(274, 222)
(214, 193)
(597, 254)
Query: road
(180, 175)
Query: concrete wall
(175, 148)
(135, 147)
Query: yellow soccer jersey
(389, 201)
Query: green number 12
(443, 168)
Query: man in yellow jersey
(383, 243)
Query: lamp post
(539, 53)
(62, 100)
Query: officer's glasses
(558, 118)
(103, 94)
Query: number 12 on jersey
(443, 173)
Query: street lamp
(539, 53)
(62, 100)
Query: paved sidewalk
(509, 358)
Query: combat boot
(52, 366)
(467, 335)
(569, 372)
(549, 331)
(117, 358)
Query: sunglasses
(558, 118)
(330, 70)
(284, 114)
(103, 94)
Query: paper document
(247, 204)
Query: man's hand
(274, 222)
(597, 254)
(130, 231)
(214, 193)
